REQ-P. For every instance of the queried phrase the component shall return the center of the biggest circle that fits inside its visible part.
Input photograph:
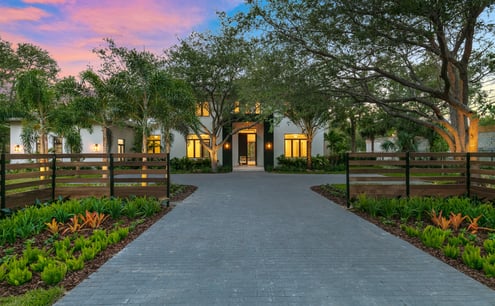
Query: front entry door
(247, 149)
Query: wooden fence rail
(420, 174)
(27, 178)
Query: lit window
(203, 109)
(121, 146)
(57, 145)
(154, 144)
(295, 145)
(195, 149)
(247, 109)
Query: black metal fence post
(408, 174)
(54, 175)
(347, 180)
(168, 179)
(468, 174)
(111, 174)
(2, 181)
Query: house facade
(257, 145)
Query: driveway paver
(256, 238)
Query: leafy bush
(89, 253)
(54, 273)
(433, 237)
(3, 271)
(41, 263)
(489, 269)
(190, 164)
(411, 231)
(489, 245)
(18, 276)
(75, 264)
(451, 251)
(472, 257)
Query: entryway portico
(251, 147)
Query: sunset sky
(70, 29)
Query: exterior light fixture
(96, 147)
(17, 148)
(268, 145)
(226, 145)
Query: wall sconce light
(226, 145)
(17, 148)
(96, 147)
(268, 145)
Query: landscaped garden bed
(59, 245)
(458, 231)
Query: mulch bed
(395, 230)
(72, 279)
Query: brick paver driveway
(256, 238)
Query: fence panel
(420, 174)
(27, 178)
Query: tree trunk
(353, 135)
(309, 145)
(214, 159)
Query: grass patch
(38, 297)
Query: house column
(268, 155)
(227, 147)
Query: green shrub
(123, 232)
(3, 271)
(131, 209)
(490, 258)
(451, 251)
(472, 257)
(190, 164)
(89, 253)
(113, 238)
(80, 243)
(457, 240)
(489, 269)
(411, 231)
(41, 263)
(75, 264)
(489, 246)
(433, 237)
(113, 207)
(53, 273)
(18, 276)
(32, 254)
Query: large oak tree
(417, 59)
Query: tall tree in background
(424, 53)
(134, 77)
(173, 107)
(36, 95)
(212, 65)
(103, 104)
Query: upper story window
(203, 109)
(247, 109)
(295, 145)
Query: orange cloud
(10, 14)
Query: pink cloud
(147, 16)
(45, 1)
(78, 27)
(10, 14)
